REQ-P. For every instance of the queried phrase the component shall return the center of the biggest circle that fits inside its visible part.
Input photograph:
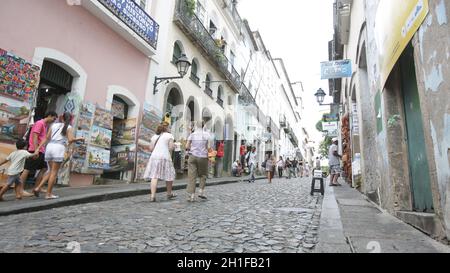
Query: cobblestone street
(237, 218)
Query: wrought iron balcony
(195, 79)
(282, 121)
(189, 23)
(245, 97)
(208, 91)
(220, 102)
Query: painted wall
(386, 149)
(432, 60)
(93, 51)
(106, 57)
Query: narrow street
(237, 218)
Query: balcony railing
(135, 18)
(282, 121)
(245, 97)
(195, 78)
(208, 91)
(196, 31)
(220, 102)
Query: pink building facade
(86, 55)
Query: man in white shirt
(333, 161)
(197, 145)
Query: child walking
(17, 160)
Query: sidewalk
(96, 193)
(352, 224)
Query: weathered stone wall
(432, 44)
(384, 153)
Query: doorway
(419, 171)
(55, 83)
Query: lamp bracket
(160, 80)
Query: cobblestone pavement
(237, 218)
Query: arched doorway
(55, 83)
(174, 110)
(219, 146)
(230, 140)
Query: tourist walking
(280, 165)
(270, 167)
(160, 165)
(334, 162)
(59, 137)
(198, 145)
(251, 158)
(37, 163)
(17, 160)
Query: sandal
(36, 193)
(52, 197)
(171, 196)
(152, 199)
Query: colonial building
(395, 114)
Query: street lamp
(320, 97)
(182, 64)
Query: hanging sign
(336, 69)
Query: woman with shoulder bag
(160, 165)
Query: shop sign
(136, 18)
(396, 23)
(329, 126)
(336, 69)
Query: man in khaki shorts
(198, 145)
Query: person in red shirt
(38, 135)
(242, 154)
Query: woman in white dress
(160, 165)
(59, 137)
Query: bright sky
(298, 32)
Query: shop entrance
(55, 83)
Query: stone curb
(99, 197)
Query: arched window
(177, 51)
(194, 72)
(220, 95)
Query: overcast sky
(297, 31)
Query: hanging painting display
(124, 132)
(19, 80)
(103, 118)
(100, 137)
(122, 158)
(98, 158)
(118, 109)
(151, 118)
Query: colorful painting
(124, 132)
(98, 158)
(122, 158)
(103, 118)
(80, 148)
(118, 109)
(100, 137)
(142, 161)
(19, 79)
(143, 146)
(18, 83)
(78, 165)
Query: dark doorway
(55, 82)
